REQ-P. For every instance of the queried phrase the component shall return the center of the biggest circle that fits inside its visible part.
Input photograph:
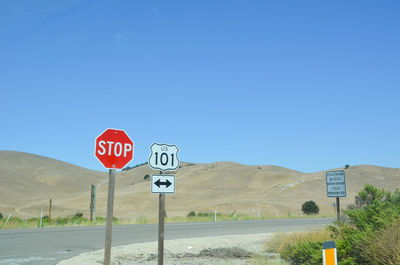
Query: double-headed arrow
(166, 183)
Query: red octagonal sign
(114, 148)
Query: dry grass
(383, 247)
(29, 181)
(280, 240)
(267, 261)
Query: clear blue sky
(308, 85)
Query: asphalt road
(51, 245)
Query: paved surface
(51, 245)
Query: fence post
(50, 205)
(8, 218)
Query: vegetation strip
(368, 233)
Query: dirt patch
(234, 253)
(216, 254)
(232, 250)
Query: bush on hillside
(78, 215)
(310, 207)
(191, 214)
(204, 214)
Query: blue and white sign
(336, 183)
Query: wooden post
(338, 208)
(50, 204)
(92, 198)
(94, 204)
(110, 206)
(161, 213)
(91, 203)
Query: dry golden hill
(28, 181)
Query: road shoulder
(205, 250)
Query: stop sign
(114, 148)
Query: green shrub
(15, 220)
(300, 247)
(373, 214)
(78, 215)
(310, 207)
(368, 233)
(304, 252)
(191, 214)
(100, 219)
(201, 214)
(146, 177)
(1, 216)
(61, 221)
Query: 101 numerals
(164, 159)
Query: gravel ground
(232, 250)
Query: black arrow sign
(166, 183)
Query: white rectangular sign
(163, 184)
(336, 183)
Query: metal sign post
(41, 217)
(337, 208)
(336, 187)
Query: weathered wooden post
(50, 205)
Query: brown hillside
(30, 180)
